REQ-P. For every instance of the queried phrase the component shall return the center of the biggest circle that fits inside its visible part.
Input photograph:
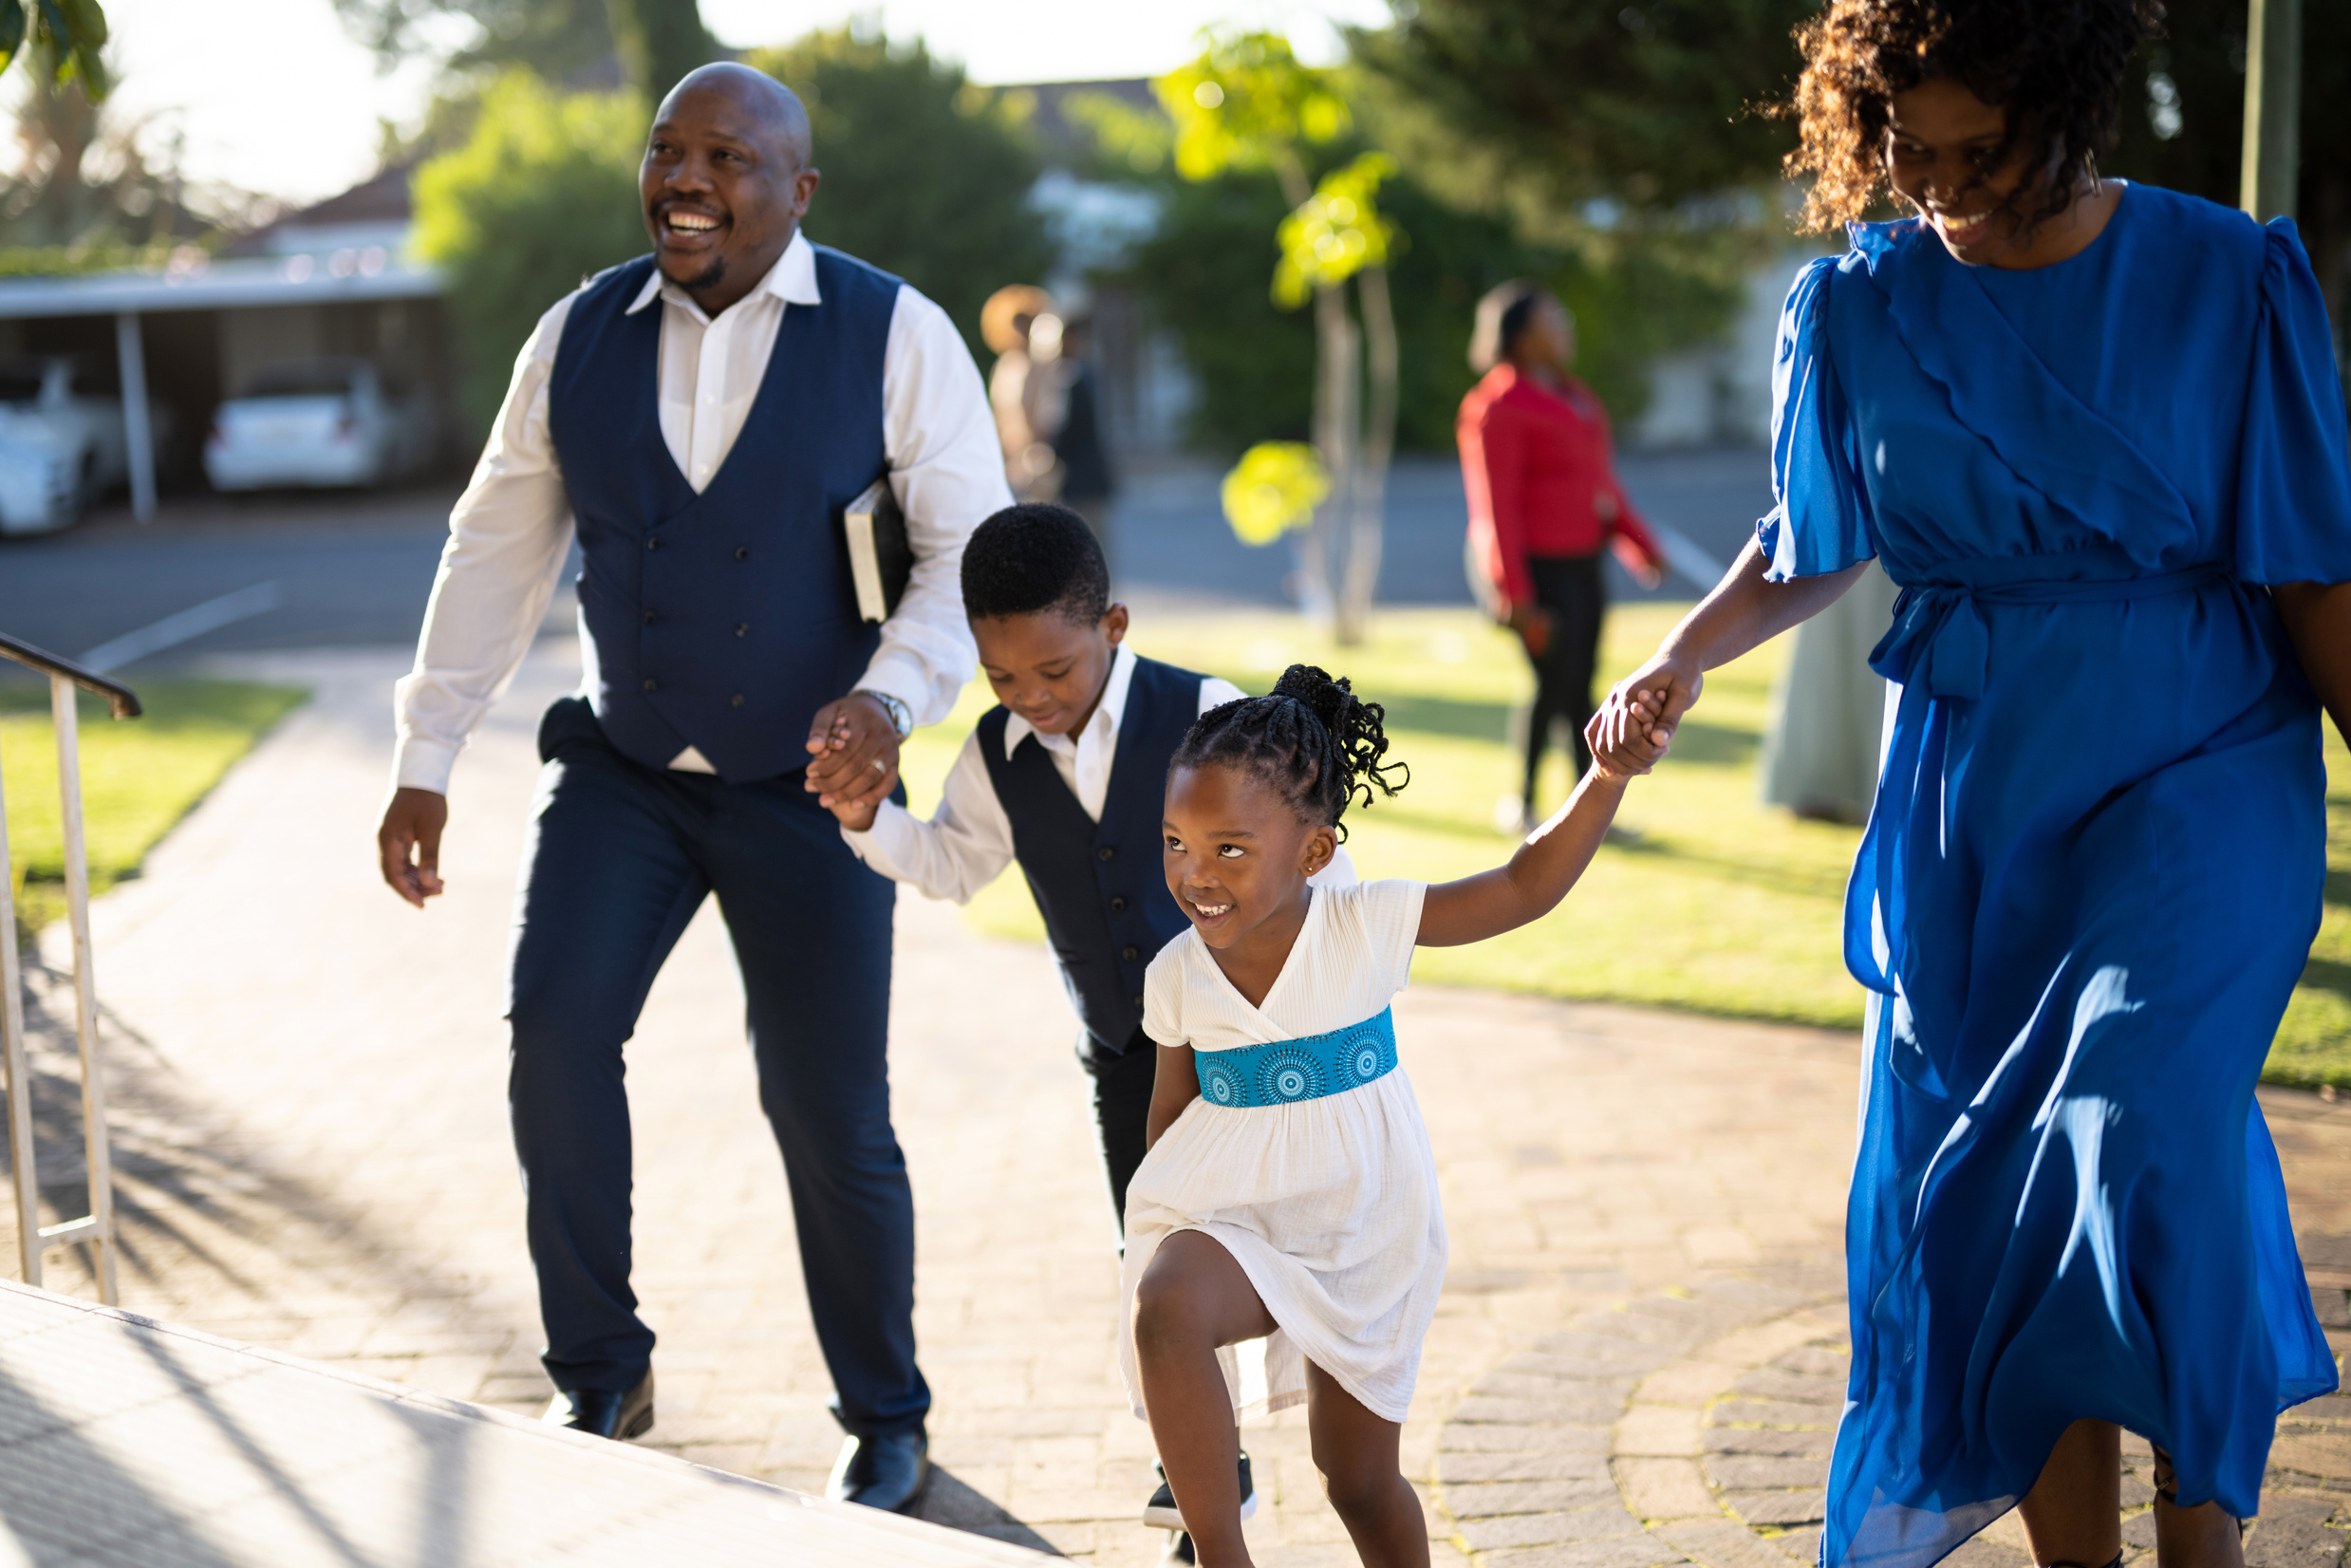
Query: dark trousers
(1122, 1108)
(1570, 590)
(621, 855)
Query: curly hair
(1313, 740)
(2055, 66)
(1035, 557)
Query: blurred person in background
(1543, 501)
(1007, 323)
(1048, 409)
(1070, 416)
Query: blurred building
(333, 279)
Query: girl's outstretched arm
(1531, 886)
(1175, 1084)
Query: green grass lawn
(139, 776)
(1721, 907)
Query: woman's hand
(1533, 624)
(1635, 724)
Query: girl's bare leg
(1191, 1299)
(2073, 1512)
(1356, 1453)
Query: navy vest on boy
(1100, 885)
(722, 620)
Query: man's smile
(687, 225)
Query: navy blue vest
(1101, 887)
(724, 620)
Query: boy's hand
(854, 753)
(857, 818)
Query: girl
(1289, 1194)
(2096, 433)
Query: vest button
(1105, 852)
(742, 552)
(742, 629)
(652, 544)
(1118, 905)
(1130, 954)
(651, 684)
(736, 701)
(1138, 1001)
(649, 618)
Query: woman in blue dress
(2096, 433)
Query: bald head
(725, 180)
(762, 106)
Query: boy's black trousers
(1122, 1104)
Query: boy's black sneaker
(1159, 1513)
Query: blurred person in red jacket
(1543, 501)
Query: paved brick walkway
(309, 1080)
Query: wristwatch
(899, 719)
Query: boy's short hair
(1035, 557)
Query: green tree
(2183, 122)
(1645, 103)
(925, 173)
(660, 41)
(542, 195)
(62, 37)
(1246, 103)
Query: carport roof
(226, 285)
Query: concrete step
(132, 1442)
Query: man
(698, 419)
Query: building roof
(348, 274)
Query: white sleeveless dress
(1330, 1205)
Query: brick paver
(312, 1141)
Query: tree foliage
(61, 38)
(1645, 103)
(2183, 122)
(925, 173)
(542, 195)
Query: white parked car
(331, 422)
(60, 443)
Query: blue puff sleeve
(1820, 524)
(2294, 485)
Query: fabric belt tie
(1938, 635)
(1290, 1071)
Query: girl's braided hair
(1313, 740)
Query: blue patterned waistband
(1290, 1071)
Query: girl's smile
(1238, 857)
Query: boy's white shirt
(969, 842)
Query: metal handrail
(33, 1237)
(118, 697)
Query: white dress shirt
(513, 528)
(969, 842)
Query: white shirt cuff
(422, 763)
(884, 845)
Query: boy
(1065, 777)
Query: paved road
(354, 571)
(309, 1102)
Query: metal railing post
(18, 1075)
(97, 1156)
(97, 1225)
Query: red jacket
(1537, 465)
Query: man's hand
(854, 755)
(413, 821)
(1636, 724)
(1533, 624)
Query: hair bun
(1325, 696)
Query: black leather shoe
(604, 1413)
(882, 1472)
